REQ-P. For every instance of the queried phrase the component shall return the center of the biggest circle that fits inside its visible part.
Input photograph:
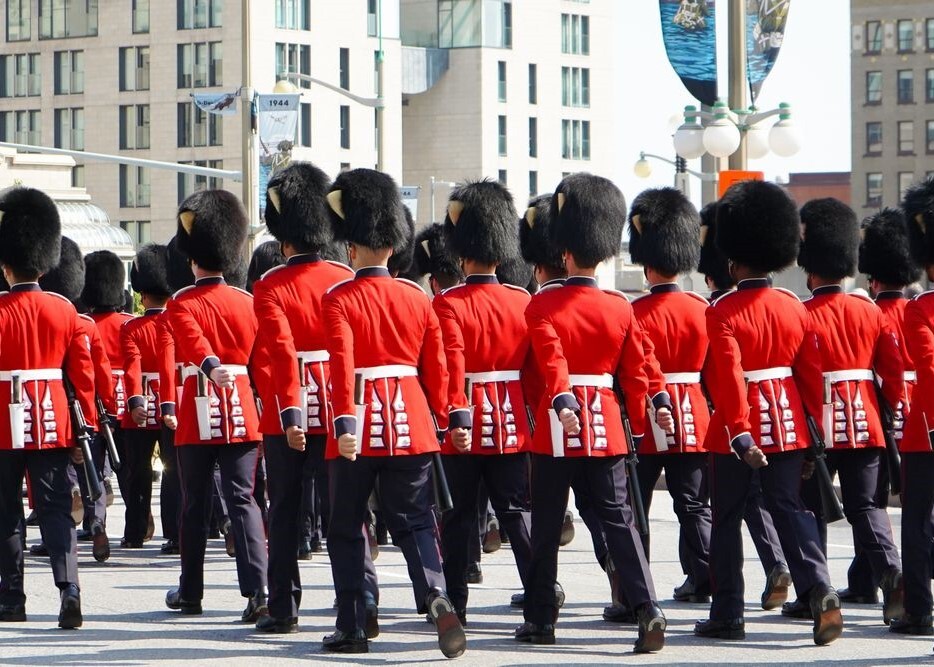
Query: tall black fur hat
(149, 271)
(335, 251)
(66, 279)
(30, 231)
(918, 206)
(236, 275)
(366, 209)
(713, 264)
(480, 223)
(885, 252)
(177, 269)
(297, 207)
(400, 263)
(758, 226)
(515, 271)
(267, 256)
(104, 280)
(535, 241)
(587, 217)
(831, 239)
(664, 231)
(212, 230)
(432, 256)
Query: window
(140, 16)
(20, 75)
(906, 36)
(69, 72)
(69, 129)
(575, 86)
(585, 35)
(929, 34)
(197, 128)
(507, 25)
(304, 125)
(906, 86)
(371, 27)
(199, 14)
(533, 183)
(575, 139)
(873, 87)
(533, 137)
(501, 133)
(377, 58)
(77, 176)
(67, 18)
(200, 65)
(134, 126)
(293, 59)
(575, 34)
(873, 37)
(501, 80)
(906, 137)
(18, 20)
(929, 136)
(188, 184)
(874, 189)
(460, 24)
(21, 127)
(345, 69)
(905, 181)
(134, 68)
(134, 186)
(138, 230)
(502, 177)
(345, 126)
(293, 14)
(873, 138)
(533, 84)
(929, 86)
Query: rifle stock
(632, 472)
(439, 479)
(830, 504)
(108, 434)
(893, 457)
(92, 482)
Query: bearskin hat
(480, 223)
(297, 207)
(267, 256)
(236, 275)
(212, 230)
(30, 231)
(149, 271)
(885, 252)
(400, 263)
(104, 280)
(535, 242)
(587, 217)
(918, 205)
(712, 262)
(335, 251)
(433, 258)
(67, 278)
(830, 239)
(664, 231)
(177, 269)
(515, 271)
(758, 226)
(366, 209)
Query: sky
(812, 74)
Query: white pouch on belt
(17, 413)
(203, 410)
(360, 412)
(827, 420)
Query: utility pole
(381, 107)
(248, 145)
(737, 72)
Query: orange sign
(731, 176)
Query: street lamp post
(727, 132)
(248, 144)
(435, 182)
(643, 169)
(737, 74)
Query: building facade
(892, 75)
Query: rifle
(893, 457)
(439, 480)
(830, 504)
(108, 434)
(92, 482)
(632, 472)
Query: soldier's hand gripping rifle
(830, 504)
(104, 420)
(893, 457)
(92, 482)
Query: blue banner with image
(690, 35)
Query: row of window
(905, 134)
(905, 89)
(904, 36)
(503, 178)
(575, 85)
(575, 138)
(875, 183)
(575, 34)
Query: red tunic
(103, 375)
(919, 339)
(583, 339)
(675, 323)
(893, 306)
(109, 325)
(142, 357)
(853, 339)
(214, 325)
(486, 343)
(766, 365)
(170, 379)
(388, 373)
(287, 301)
(39, 339)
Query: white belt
(777, 373)
(233, 369)
(150, 377)
(911, 376)
(381, 372)
(492, 376)
(604, 381)
(682, 378)
(313, 357)
(855, 375)
(116, 372)
(33, 374)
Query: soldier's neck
(653, 277)
(473, 267)
(816, 282)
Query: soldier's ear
(336, 202)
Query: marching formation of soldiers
(327, 389)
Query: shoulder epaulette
(787, 292)
(549, 288)
(88, 318)
(182, 291)
(272, 271)
(59, 296)
(406, 281)
(336, 285)
(862, 297)
(724, 296)
(615, 292)
(446, 290)
(339, 264)
(697, 296)
(640, 297)
(242, 291)
(515, 287)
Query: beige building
(892, 75)
(117, 76)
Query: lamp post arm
(375, 102)
(700, 175)
(747, 120)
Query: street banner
(690, 36)
(222, 104)
(765, 32)
(277, 124)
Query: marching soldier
(387, 376)
(486, 344)
(214, 329)
(584, 340)
(42, 346)
(766, 370)
(433, 259)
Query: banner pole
(737, 73)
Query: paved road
(126, 622)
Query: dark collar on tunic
(304, 258)
(889, 295)
(211, 280)
(373, 272)
(26, 287)
(827, 289)
(754, 283)
(665, 288)
(154, 311)
(580, 281)
(481, 279)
